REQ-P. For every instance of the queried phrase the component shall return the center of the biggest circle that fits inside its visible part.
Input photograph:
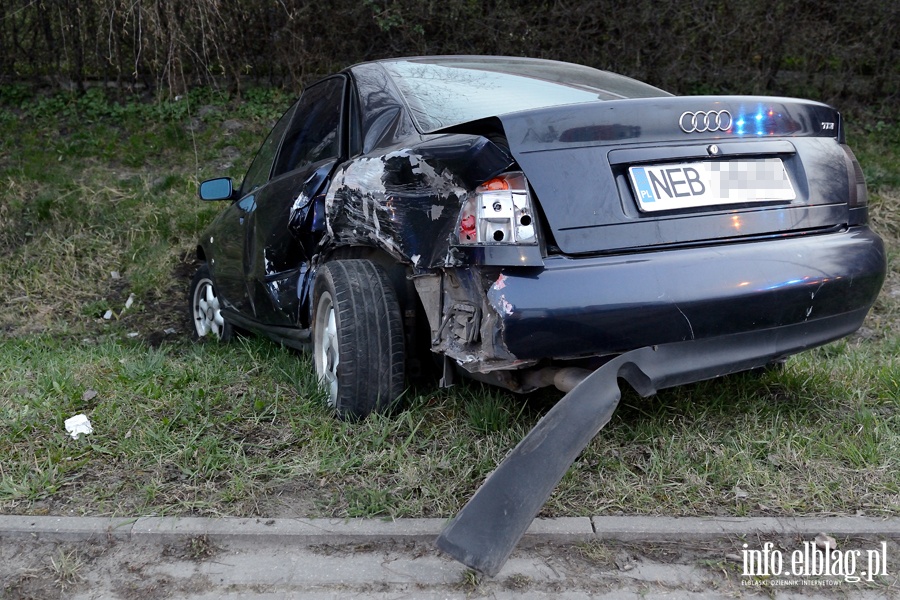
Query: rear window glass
(445, 92)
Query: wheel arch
(400, 274)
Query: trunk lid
(589, 163)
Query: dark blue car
(522, 221)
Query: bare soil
(196, 567)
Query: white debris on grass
(77, 425)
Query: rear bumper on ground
(792, 294)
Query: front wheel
(357, 338)
(205, 308)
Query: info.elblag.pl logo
(815, 561)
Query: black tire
(358, 338)
(204, 309)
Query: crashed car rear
(523, 221)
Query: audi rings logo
(705, 120)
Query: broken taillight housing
(499, 212)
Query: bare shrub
(837, 52)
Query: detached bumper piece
(486, 530)
(700, 313)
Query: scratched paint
(399, 203)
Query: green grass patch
(225, 429)
(211, 429)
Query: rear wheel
(357, 338)
(205, 308)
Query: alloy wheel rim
(207, 311)
(328, 355)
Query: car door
(231, 241)
(313, 144)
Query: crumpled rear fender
(407, 201)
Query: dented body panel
(407, 201)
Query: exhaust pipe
(564, 379)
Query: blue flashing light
(760, 123)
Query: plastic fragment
(114, 275)
(77, 425)
(825, 542)
(108, 314)
(130, 301)
(133, 334)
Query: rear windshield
(441, 93)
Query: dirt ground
(196, 567)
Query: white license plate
(710, 183)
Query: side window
(261, 167)
(316, 131)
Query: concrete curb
(356, 531)
(294, 531)
(711, 528)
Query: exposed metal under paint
(406, 202)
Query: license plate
(710, 183)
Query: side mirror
(220, 188)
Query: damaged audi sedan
(523, 221)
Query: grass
(66, 568)
(99, 205)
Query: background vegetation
(98, 217)
(841, 51)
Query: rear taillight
(859, 196)
(500, 211)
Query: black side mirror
(220, 188)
